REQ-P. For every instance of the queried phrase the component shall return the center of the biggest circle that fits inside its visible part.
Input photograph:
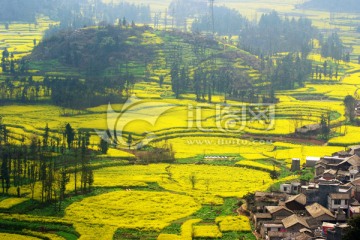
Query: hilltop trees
(227, 22)
(273, 35)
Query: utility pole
(212, 16)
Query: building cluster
(318, 209)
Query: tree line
(274, 34)
(47, 163)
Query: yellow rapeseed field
(233, 223)
(11, 202)
(130, 209)
(9, 236)
(207, 231)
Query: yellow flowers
(8, 236)
(233, 223)
(20, 36)
(186, 147)
(350, 136)
(187, 229)
(131, 209)
(210, 182)
(10, 202)
(207, 231)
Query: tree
(350, 103)
(175, 79)
(129, 140)
(325, 126)
(5, 53)
(46, 136)
(353, 231)
(161, 80)
(70, 134)
(274, 174)
(104, 146)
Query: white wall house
(290, 188)
(338, 201)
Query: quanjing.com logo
(205, 118)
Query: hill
(333, 5)
(119, 56)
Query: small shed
(311, 129)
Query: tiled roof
(274, 209)
(339, 196)
(316, 210)
(263, 215)
(294, 219)
(300, 198)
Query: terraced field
(196, 197)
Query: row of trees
(289, 72)
(46, 164)
(326, 70)
(334, 48)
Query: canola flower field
(177, 201)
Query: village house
(262, 199)
(278, 212)
(319, 213)
(295, 223)
(290, 188)
(320, 209)
(296, 203)
(261, 218)
(341, 164)
(326, 163)
(354, 173)
(354, 150)
(338, 201)
(355, 188)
